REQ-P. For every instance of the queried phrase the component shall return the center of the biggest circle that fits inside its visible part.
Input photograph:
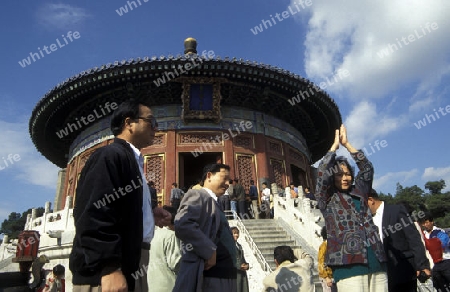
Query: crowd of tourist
(367, 244)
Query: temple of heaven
(209, 109)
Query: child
(55, 281)
(241, 265)
(325, 272)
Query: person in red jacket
(441, 269)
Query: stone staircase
(269, 233)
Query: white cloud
(433, 174)
(31, 167)
(365, 124)
(389, 180)
(349, 34)
(60, 16)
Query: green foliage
(414, 198)
(389, 199)
(435, 187)
(438, 205)
(16, 222)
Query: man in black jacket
(402, 244)
(113, 216)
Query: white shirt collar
(378, 219)
(380, 210)
(136, 151)
(211, 193)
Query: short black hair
(252, 181)
(374, 194)
(175, 185)
(151, 183)
(59, 270)
(172, 211)
(264, 183)
(234, 228)
(213, 168)
(428, 217)
(236, 180)
(127, 109)
(284, 253)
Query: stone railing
(55, 228)
(256, 252)
(303, 219)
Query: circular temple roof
(244, 83)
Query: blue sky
(387, 90)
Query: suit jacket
(108, 224)
(403, 245)
(196, 225)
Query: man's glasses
(151, 121)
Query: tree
(438, 205)
(414, 196)
(16, 222)
(389, 199)
(435, 187)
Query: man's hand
(211, 262)
(162, 217)
(426, 271)
(329, 281)
(114, 282)
(245, 267)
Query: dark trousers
(441, 276)
(176, 203)
(224, 202)
(410, 286)
(241, 210)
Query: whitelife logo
(11, 158)
(301, 95)
(37, 56)
(188, 66)
(285, 14)
(423, 123)
(124, 9)
(90, 118)
(206, 146)
(389, 49)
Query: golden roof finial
(190, 46)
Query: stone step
(260, 222)
(268, 230)
(273, 245)
(269, 249)
(276, 241)
(259, 236)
